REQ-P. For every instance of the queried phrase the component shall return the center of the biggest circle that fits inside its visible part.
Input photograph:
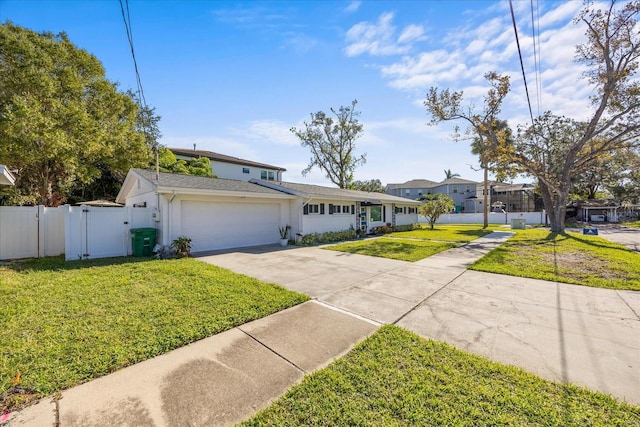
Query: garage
(212, 225)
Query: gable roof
(170, 182)
(414, 183)
(425, 183)
(318, 191)
(222, 158)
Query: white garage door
(224, 225)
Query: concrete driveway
(568, 333)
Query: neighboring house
(510, 197)
(6, 177)
(460, 190)
(230, 167)
(218, 213)
(594, 210)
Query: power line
(536, 53)
(524, 77)
(127, 25)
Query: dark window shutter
(305, 210)
(353, 209)
(330, 209)
(384, 213)
(321, 208)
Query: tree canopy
(556, 148)
(64, 125)
(332, 143)
(169, 163)
(434, 206)
(372, 186)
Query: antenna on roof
(194, 147)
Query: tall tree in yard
(482, 125)
(331, 139)
(63, 124)
(554, 149)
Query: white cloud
(267, 132)
(353, 6)
(300, 43)
(380, 38)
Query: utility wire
(524, 77)
(536, 53)
(127, 25)
(142, 101)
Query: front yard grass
(64, 323)
(416, 244)
(394, 248)
(446, 233)
(396, 378)
(569, 258)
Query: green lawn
(569, 258)
(394, 248)
(416, 244)
(64, 323)
(396, 378)
(446, 233)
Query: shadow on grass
(59, 264)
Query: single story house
(6, 177)
(220, 213)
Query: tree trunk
(486, 194)
(555, 203)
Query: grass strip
(64, 323)
(394, 248)
(396, 378)
(569, 258)
(445, 233)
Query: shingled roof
(221, 158)
(174, 181)
(318, 191)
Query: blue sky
(233, 77)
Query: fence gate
(99, 232)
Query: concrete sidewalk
(568, 333)
(219, 380)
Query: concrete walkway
(576, 334)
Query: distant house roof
(414, 183)
(221, 158)
(425, 183)
(169, 182)
(501, 187)
(6, 177)
(318, 191)
(456, 181)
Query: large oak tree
(332, 142)
(63, 124)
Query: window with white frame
(245, 170)
(346, 209)
(314, 209)
(263, 174)
(271, 176)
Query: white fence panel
(101, 232)
(494, 218)
(18, 232)
(51, 230)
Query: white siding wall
(317, 223)
(233, 171)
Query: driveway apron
(568, 333)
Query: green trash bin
(143, 240)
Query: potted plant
(284, 234)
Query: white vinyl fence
(79, 232)
(494, 218)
